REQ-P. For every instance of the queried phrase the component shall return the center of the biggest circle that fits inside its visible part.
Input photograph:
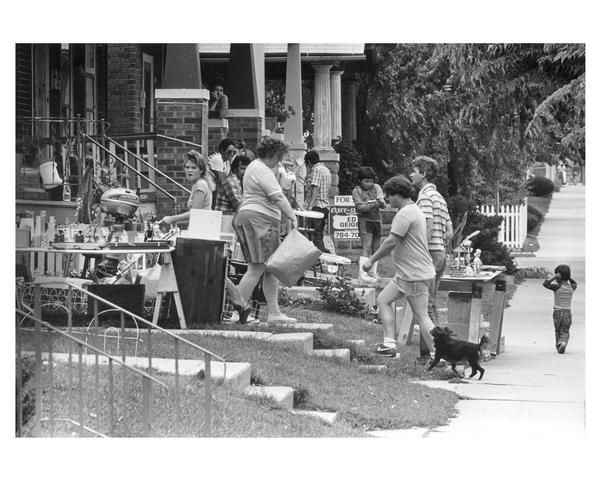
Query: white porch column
(336, 103)
(293, 126)
(322, 108)
(322, 124)
(349, 92)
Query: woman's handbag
(293, 257)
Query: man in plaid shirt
(318, 196)
(230, 193)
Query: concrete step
(282, 396)
(237, 374)
(327, 417)
(233, 334)
(311, 327)
(303, 341)
(342, 354)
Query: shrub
(534, 217)
(531, 272)
(339, 296)
(27, 390)
(287, 299)
(540, 186)
(350, 161)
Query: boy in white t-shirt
(407, 244)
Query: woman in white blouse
(257, 223)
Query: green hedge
(540, 186)
(534, 217)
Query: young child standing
(368, 199)
(563, 289)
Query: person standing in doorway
(407, 243)
(317, 199)
(218, 106)
(439, 225)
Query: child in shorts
(368, 199)
(563, 287)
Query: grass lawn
(364, 401)
(233, 414)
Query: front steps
(237, 374)
(281, 396)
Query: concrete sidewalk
(531, 390)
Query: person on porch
(218, 105)
(317, 199)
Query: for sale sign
(344, 222)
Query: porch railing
(135, 153)
(94, 333)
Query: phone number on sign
(345, 234)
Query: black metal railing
(94, 334)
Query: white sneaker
(283, 318)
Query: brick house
(150, 99)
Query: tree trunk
(453, 169)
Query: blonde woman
(197, 171)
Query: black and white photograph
(379, 244)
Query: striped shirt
(321, 177)
(433, 206)
(563, 293)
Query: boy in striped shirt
(439, 225)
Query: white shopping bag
(292, 258)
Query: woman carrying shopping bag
(257, 224)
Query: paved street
(531, 389)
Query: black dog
(455, 351)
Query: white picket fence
(513, 230)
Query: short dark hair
(270, 147)
(398, 185)
(366, 173)
(312, 157)
(225, 144)
(564, 271)
(240, 160)
(241, 145)
(427, 166)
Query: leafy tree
(350, 161)
(560, 117)
(482, 110)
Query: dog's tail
(484, 341)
